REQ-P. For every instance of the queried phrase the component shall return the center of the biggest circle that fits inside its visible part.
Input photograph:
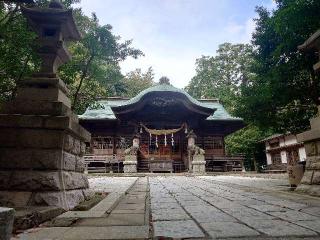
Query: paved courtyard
(179, 207)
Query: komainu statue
(133, 150)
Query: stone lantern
(42, 143)
(54, 26)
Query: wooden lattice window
(102, 142)
(217, 143)
(276, 158)
(208, 143)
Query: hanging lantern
(186, 129)
(156, 141)
(141, 130)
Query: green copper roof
(104, 112)
(162, 88)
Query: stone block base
(130, 166)
(199, 167)
(6, 223)
(63, 199)
(41, 147)
(313, 190)
(42, 180)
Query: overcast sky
(174, 33)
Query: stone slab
(128, 211)
(40, 159)
(114, 220)
(66, 200)
(228, 229)
(60, 222)
(108, 232)
(312, 210)
(294, 216)
(107, 204)
(137, 206)
(177, 229)
(44, 233)
(166, 205)
(169, 214)
(42, 180)
(43, 138)
(209, 217)
(42, 82)
(279, 228)
(6, 222)
(34, 107)
(81, 214)
(45, 94)
(313, 190)
(15, 198)
(28, 217)
(313, 225)
(268, 208)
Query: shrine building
(160, 123)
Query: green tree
(246, 141)
(94, 70)
(136, 81)
(95, 62)
(223, 75)
(284, 91)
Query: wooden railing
(108, 161)
(224, 163)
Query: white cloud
(174, 33)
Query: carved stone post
(42, 143)
(197, 163)
(311, 138)
(131, 156)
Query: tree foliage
(223, 75)
(136, 81)
(247, 142)
(94, 70)
(278, 91)
(284, 91)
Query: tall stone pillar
(311, 179)
(42, 143)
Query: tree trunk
(83, 76)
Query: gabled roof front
(165, 95)
(111, 108)
(104, 111)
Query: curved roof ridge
(163, 88)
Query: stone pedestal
(41, 147)
(6, 223)
(311, 179)
(198, 164)
(130, 164)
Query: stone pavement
(205, 207)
